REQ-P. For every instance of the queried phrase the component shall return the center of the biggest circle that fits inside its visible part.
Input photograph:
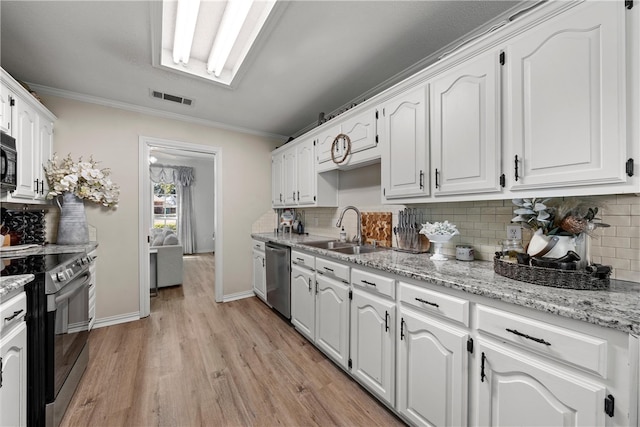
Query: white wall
(111, 136)
(202, 188)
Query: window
(165, 206)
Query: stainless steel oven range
(57, 330)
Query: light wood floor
(194, 362)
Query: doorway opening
(171, 155)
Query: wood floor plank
(194, 362)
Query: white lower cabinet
(332, 318)
(373, 344)
(432, 371)
(303, 301)
(259, 271)
(447, 359)
(13, 362)
(515, 388)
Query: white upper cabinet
(277, 179)
(465, 127)
(26, 134)
(6, 98)
(31, 124)
(305, 173)
(360, 148)
(290, 171)
(325, 141)
(565, 100)
(405, 159)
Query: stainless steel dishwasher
(279, 277)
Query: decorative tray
(567, 279)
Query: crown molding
(45, 90)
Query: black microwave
(8, 162)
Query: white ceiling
(316, 56)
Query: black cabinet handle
(421, 180)
(482, 375)
(300, 259)
(328, 269)
(386, 321)
(309, 284)
(437, 181)
(13, 316)
(368, 283)
(529, 337)
(424, 301)
(402, 329)
(298, 196)
(516, 169)
(37, 185)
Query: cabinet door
(362, 132)
(303, 298)
(566, 102)
(289, 177)
(325, 141)
(277, 178)
(305, 173)
(332, 319)
(432, 371)
(259, 275)
(465, 127)
(373, 344)
(518, 389)
(405, 159)
(13, 362)
(5, 109)
(45, 135)
(26, 134)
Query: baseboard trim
(115, 320)
(237, 296)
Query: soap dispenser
(343, 235)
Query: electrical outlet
(514, 232)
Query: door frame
(145, 143)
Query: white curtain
(182, 177)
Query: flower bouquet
(83, 179)
(439, 233)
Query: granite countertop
(13, 285)
(616, 308)
(50, 249)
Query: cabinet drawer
(431, 302)
(12, 312)
(303, 260)
(330, 268)
(258, 245)
(572, 347)
(373, 282)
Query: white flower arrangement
(84, 179)
(439, 228)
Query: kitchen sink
(330, 244)
(356, 250)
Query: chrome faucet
(358, 236)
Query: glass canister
(511, 247)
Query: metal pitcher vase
(72, 226)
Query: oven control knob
(60, 277)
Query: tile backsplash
(482, 224)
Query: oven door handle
(81, 282)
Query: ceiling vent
(172, 98)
